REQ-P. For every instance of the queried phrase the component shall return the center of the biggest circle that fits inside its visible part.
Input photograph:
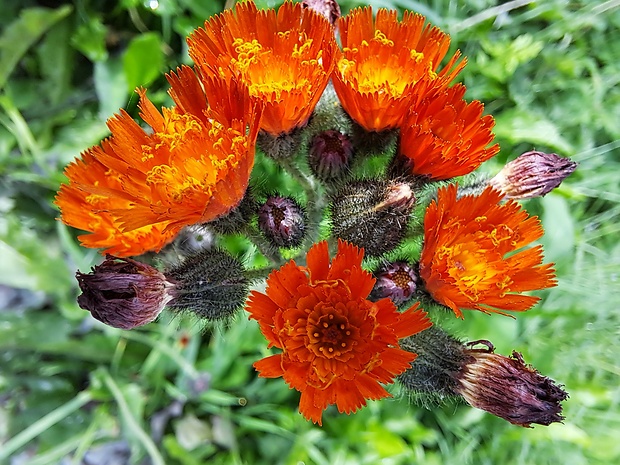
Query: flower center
(330, 334)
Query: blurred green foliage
(72, 390)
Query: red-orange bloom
(473, 256)
(383, 61)
(443, 136)
(285, 57)
(139, 188)
(337, 346)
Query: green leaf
(517, 126)
(89, 38)
(111, 87)
(23, 33)
(143, 60)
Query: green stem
(44, 424)
(163, 348)
(131, 421)
(269, 252)
(315, 200)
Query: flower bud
(396, 281)
(503, 386)
(330, 155)
(328, 8)
(510, 389)
(212, 284)
(532, 174)
(282, 146)
(124, 293)
(372, 214)
(283, 221)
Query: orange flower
(337, 346)
(443, 136)
(137, 190)
(382, 63)
(471, 256)
(284, 57)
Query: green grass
(548, 71)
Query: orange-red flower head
(285, 57)
(337, 346)
(139, 188)
(443, 136)
(473, 255)
(384, 60)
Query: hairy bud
(396, 281)
(532, 174)
(503, 386)
(372, 214)
(212, 284)
(281, 146)
(283, 221)
(330, 155)
(124, 293)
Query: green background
(73, 391)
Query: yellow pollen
(299, 51)
(382, 38)
(416, 56)
(316, 334)
(343, 344)
(325, 325)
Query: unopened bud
(124, 293)
(510, 389)
(503, 386)
(330, 155)
(212, 284)
(396, 281)
(283, 221)
(328, 8)
(372, 214)
(282, 146)
(532, 174)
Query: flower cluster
(274, 85)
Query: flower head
(139, 188)
(337, 346)
(384, 60)
(124, 293)
(285, 57)
(473, 255)
(443, 136)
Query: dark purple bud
(396, 281)
(124, 293)
(510, 389)
(503, 386)
(330, 155)
(532, 174)
(283, 221)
